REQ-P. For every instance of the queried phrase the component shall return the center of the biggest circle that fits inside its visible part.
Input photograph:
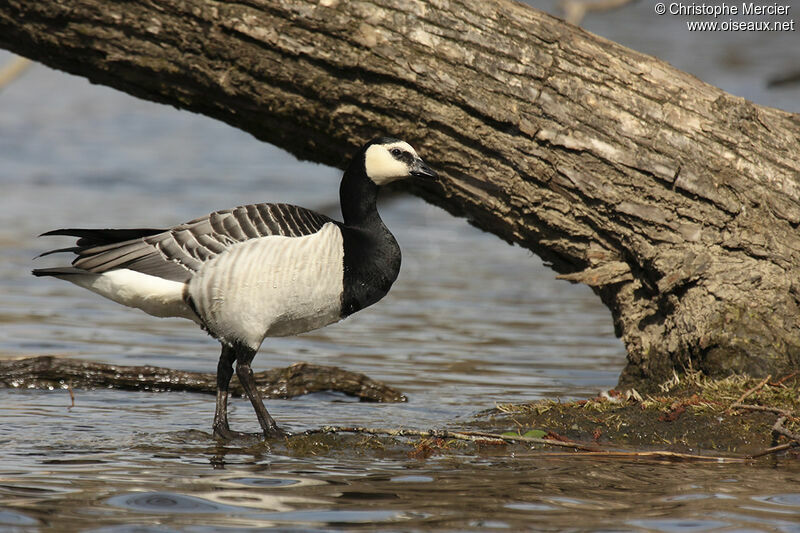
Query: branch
(300, 378)
(16, 67)
(494, 438)
(474, 436)
(748, 393)
(778, 429)
(575, 10)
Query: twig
(774, 449)
(776, 410)
(575, 10)
(480, 436)
(659, 454)
(474, 436)
(749, 392)
(784, 378)
(783, 79)
(779, 429)
(586, 450)
(13, 70)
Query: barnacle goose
(254, 271)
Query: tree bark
(677, 203)
(50, 372)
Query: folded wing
(175, 254)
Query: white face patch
(382, 167)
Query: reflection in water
(263, 482)
(450, 492)
(167, 503)
(789, 503)
(11, 518)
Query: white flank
(153, 295)
(382, 167)
(272, 286)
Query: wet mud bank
(691, 418)
(734, 416)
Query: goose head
(387, 160)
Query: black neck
(358, 195)
(371, 255)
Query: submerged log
(677, 203)
(295, 380)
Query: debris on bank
(692, 413)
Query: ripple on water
(343, 517)
(697, 496)
(167, 502)
(172, 503)
(264, 481)
(133, 528)
(790, 500)
(411, 479)
(526, 506)
(679, 525)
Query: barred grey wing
(176, 253)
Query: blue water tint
(12, 518)
(133, 528)
(264, 482)
(679, 525)
(489, 524)
(532, 507)
(412, 479)
(166, 502)
(787, 500)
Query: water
(470, 323)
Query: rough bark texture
(678, 203)
(47, 371)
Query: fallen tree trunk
(300, 378)
(678, 203)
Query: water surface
(470, 323)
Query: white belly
(271, 286)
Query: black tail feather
(74, 249)
(57, 271)
(99, 237)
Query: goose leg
(244, 356)
(224, 374)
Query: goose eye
(396, 152)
